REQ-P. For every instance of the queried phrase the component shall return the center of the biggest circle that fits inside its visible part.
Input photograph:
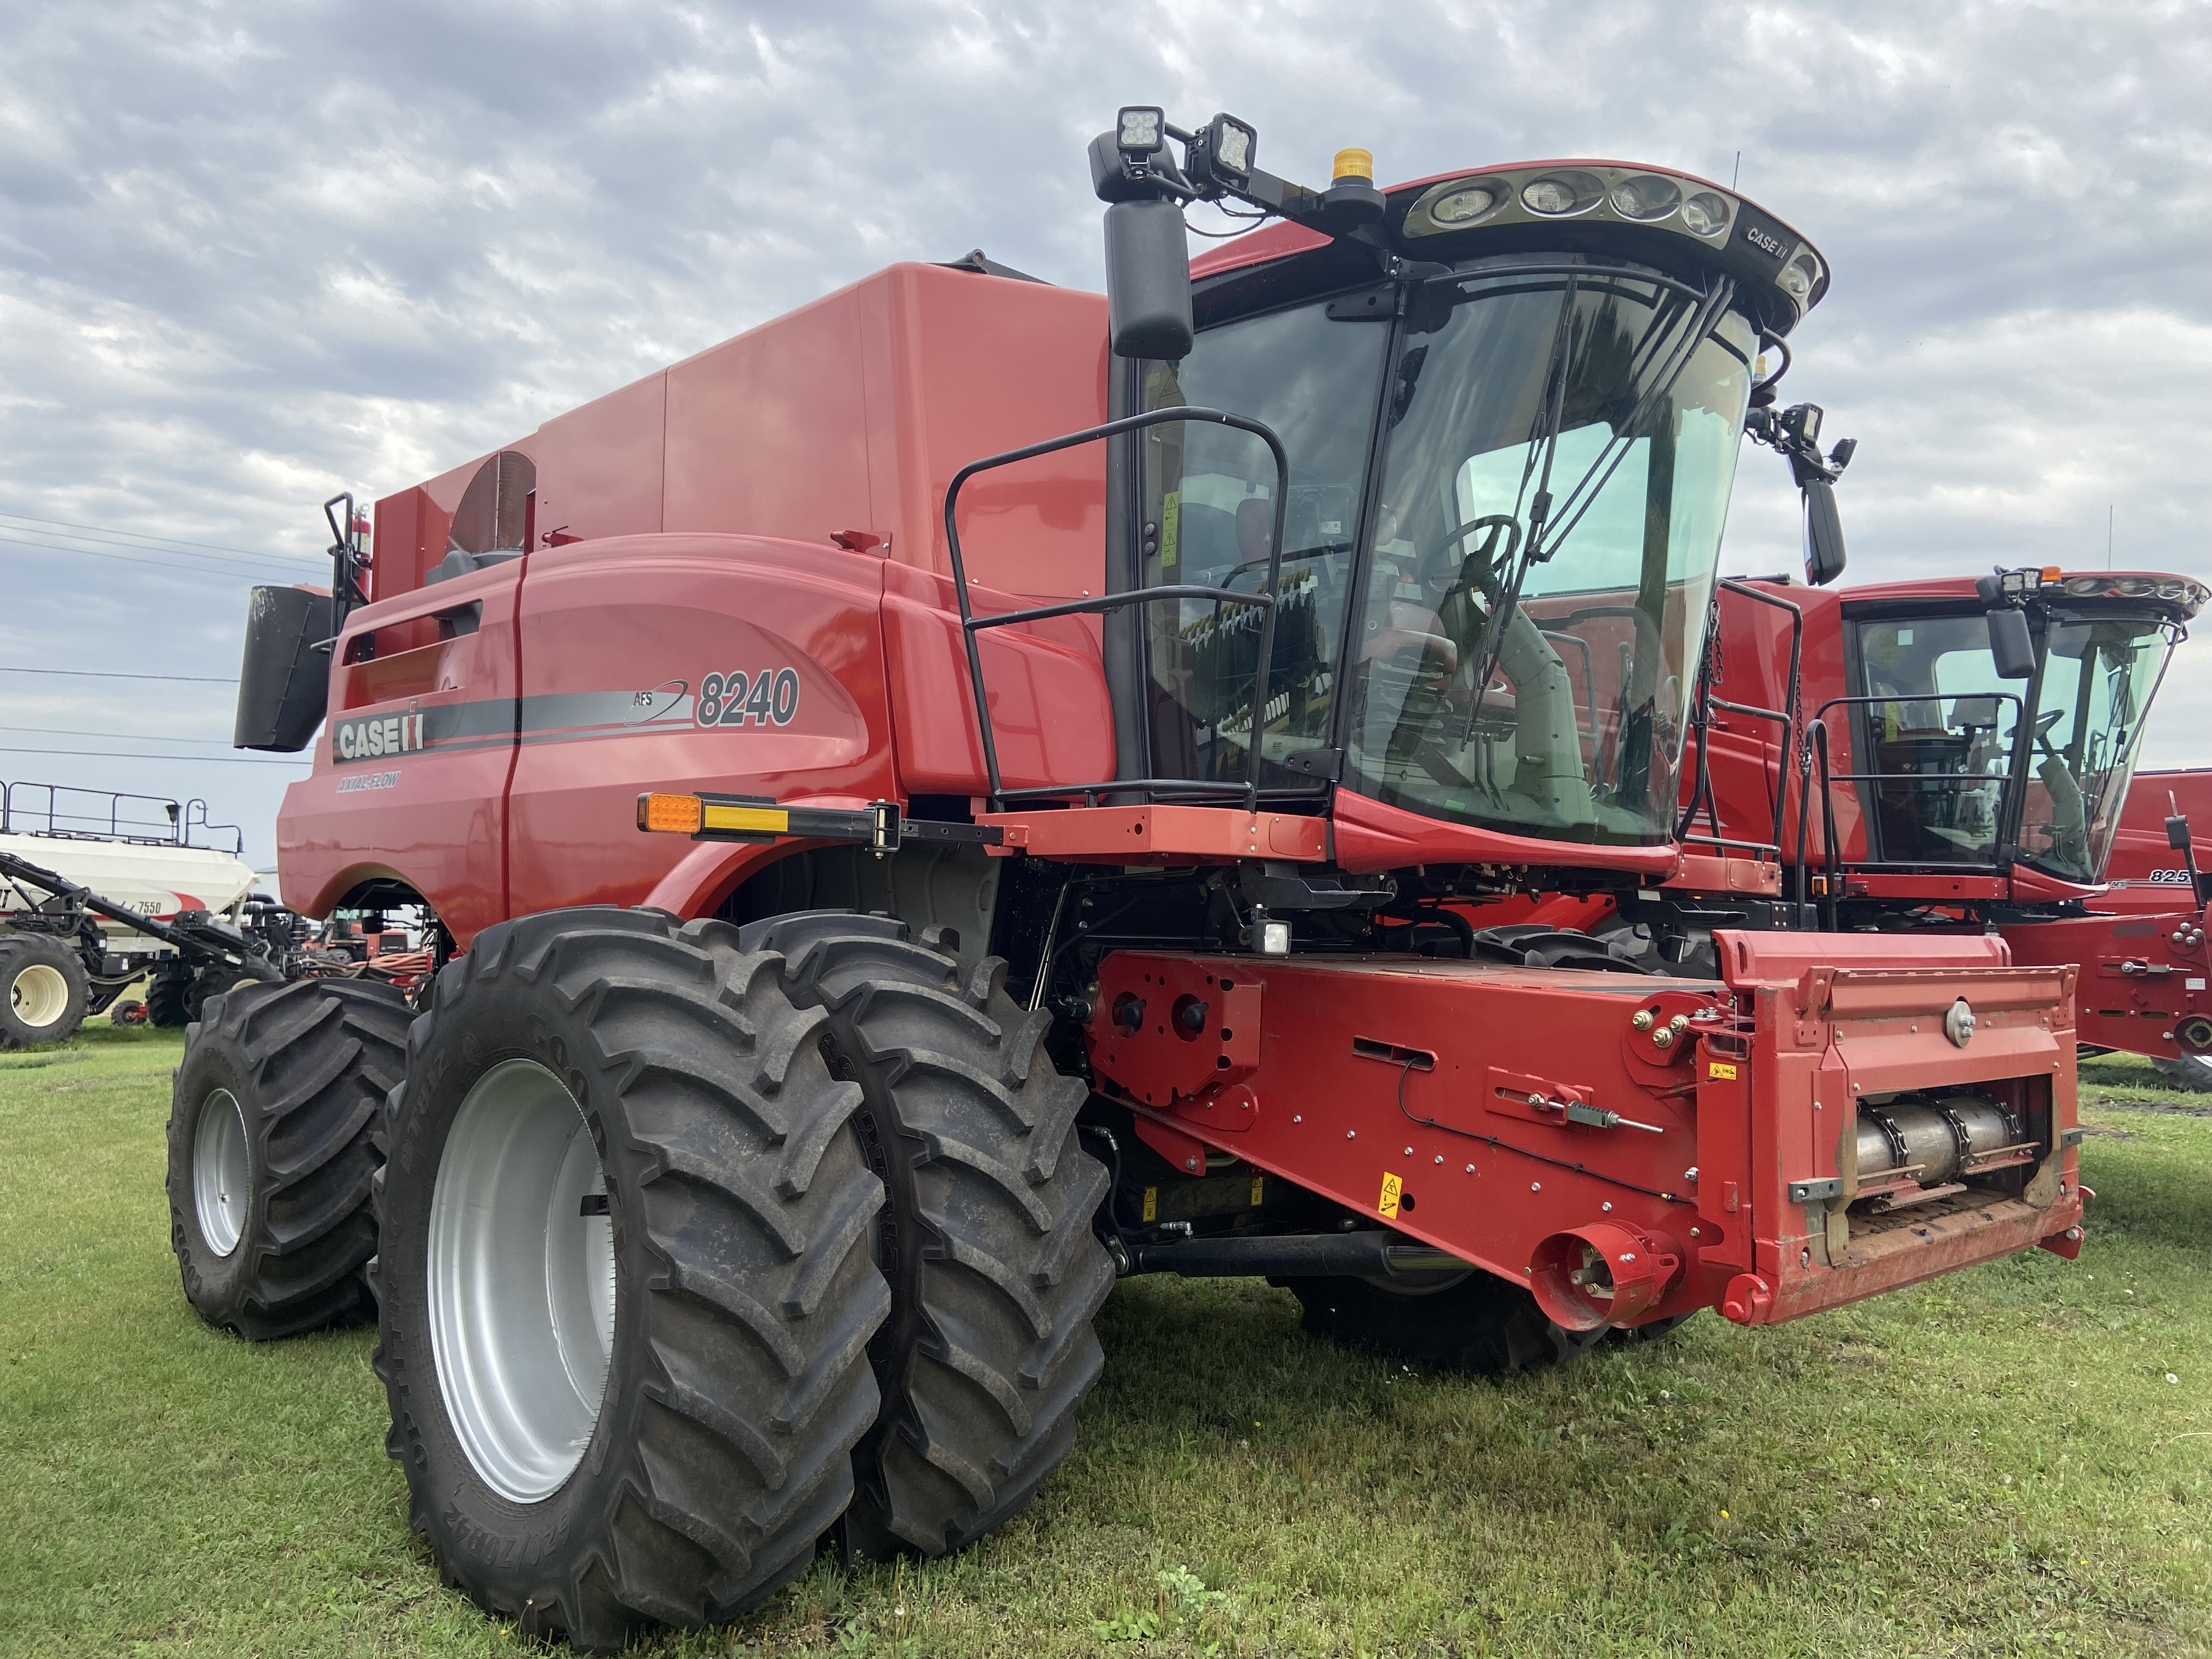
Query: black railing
(68, 813)
(1931, 782)
(971, 625)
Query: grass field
(2017, 1460)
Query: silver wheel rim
(222, 1175)
(521, 1280)
(39, 996)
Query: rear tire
(42, 991)
(994, 1270)
(1480, 1324)
(271, 1152)
(674, 1451)
(1652, 1331)
(166, 993)
(209, 984)
(2192, 1074)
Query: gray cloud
(252, 254)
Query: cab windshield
(1964, 764)
(1561, 449)
(1540, 542)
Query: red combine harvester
(2153, 868)
(1964, 764)
(1050, 849)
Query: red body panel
(849, 415)
(433, 812)
(493, 807)
(619, 640)
(1400, 1087)
(1371, 835)
(2144, 874)
(2141, 985)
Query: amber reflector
(670, 814)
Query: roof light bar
(1755, 246)
(2169, 590)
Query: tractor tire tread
(309, 1063)
(1482, 1325)
(996, 1271)
(730, 1421)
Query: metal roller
(1935, 1140)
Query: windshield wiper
(1577, 503)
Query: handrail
(104, 819)
(971, 625)
(1832, 861)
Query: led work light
(1230, 146)
(1141, 130)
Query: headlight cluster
(1644, 199)
(1724, 224)
(2173, 589)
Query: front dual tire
(627, 1275)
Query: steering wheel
(2044, 722)
(1492, 522)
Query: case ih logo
(393, 734)
(1765, 241)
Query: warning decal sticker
(1392, 1186)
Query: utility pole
(2109, 511)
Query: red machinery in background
(1049, 736)
(2151, 867)
(1884, 758)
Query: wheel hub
(40, 995)
(521, 1280)
(222, 1174)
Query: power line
(128, 737)
(207, 566)
(134, 536)
(182, 759)
(97, 674)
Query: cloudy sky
(253, 254)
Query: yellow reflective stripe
(760, 820)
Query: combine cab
(1053, 746)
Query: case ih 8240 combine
(1045, 849)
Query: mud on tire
(986, 1238)
(732, 1340)
(1480, 1323)
(281, 1084)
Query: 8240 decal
(770, 697)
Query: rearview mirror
(284, 678)
(1824, 533)
(2011, 647)
(1148, 280)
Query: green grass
(1996, 1464)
